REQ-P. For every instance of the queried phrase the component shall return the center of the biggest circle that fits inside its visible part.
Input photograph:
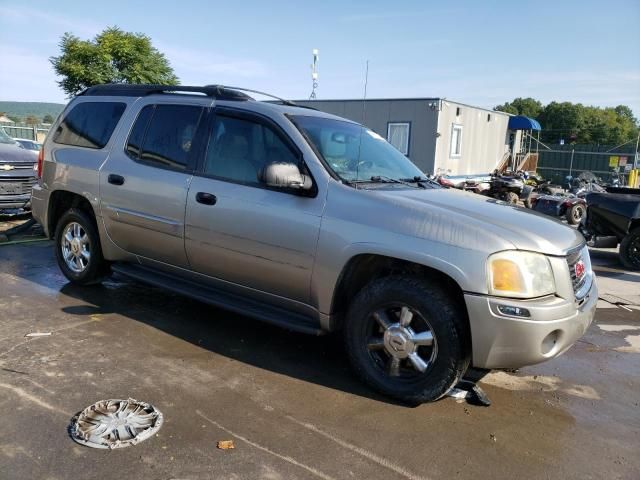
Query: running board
(223, 299)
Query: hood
(10, 153)
(524, 228)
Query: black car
(612, 219)
(17, 174)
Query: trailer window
(456, 141)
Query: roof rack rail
(141, 90)
(289, 103)
(241, 89)
(219, 92)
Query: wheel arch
(62, 200)
(362, 268)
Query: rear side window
(163, 135)
(89, 124)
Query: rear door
(144, 183)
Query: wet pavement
(289, 401)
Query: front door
(144, 186)
(237, 229)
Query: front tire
(511, 197)
(575, 213)
(78, 250)
(630, 250)
(406, 338)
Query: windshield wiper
(405, 181)
(385, 179)
(421, 181)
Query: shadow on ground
(320, 360)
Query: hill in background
(24, 109)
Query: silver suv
(311, 222)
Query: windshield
(4, 138)
(356, 153)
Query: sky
(479, 52)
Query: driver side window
(240, 148)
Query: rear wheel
(406, 338)
(78, 249)
(575, 213)
(630, 250)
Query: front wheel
(407, 338)
(575, 213)
(78, 249)
(511, 197)
(630, 250)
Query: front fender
(465, 266)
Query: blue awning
(520, 122)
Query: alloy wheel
(75, 246)
(401, 342)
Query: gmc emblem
(579, 269)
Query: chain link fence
(607, 162)
(30, 132)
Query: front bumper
(500, 341)
(15, 201)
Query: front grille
(573, 258)
(16, 166)
(16, 185)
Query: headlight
(519, 274)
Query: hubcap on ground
(401, 342)
(75, 247)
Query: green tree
(47, 119)
(114, 56)
(528, 107)
(561, 121)
(32, 120)
(576, 123)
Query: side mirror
(285, 175)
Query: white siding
(483, 141)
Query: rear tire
(77, 247)
(575, 213)
(630, 250)
(415, 361)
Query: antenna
(314, 74)
(364, 116)
(364, 97)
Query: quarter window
(134, 144)
(456, 141)
(89, 124)
(169, 136)
(398, 135)
(239, 149)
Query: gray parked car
(17, 174)
(311, 222)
